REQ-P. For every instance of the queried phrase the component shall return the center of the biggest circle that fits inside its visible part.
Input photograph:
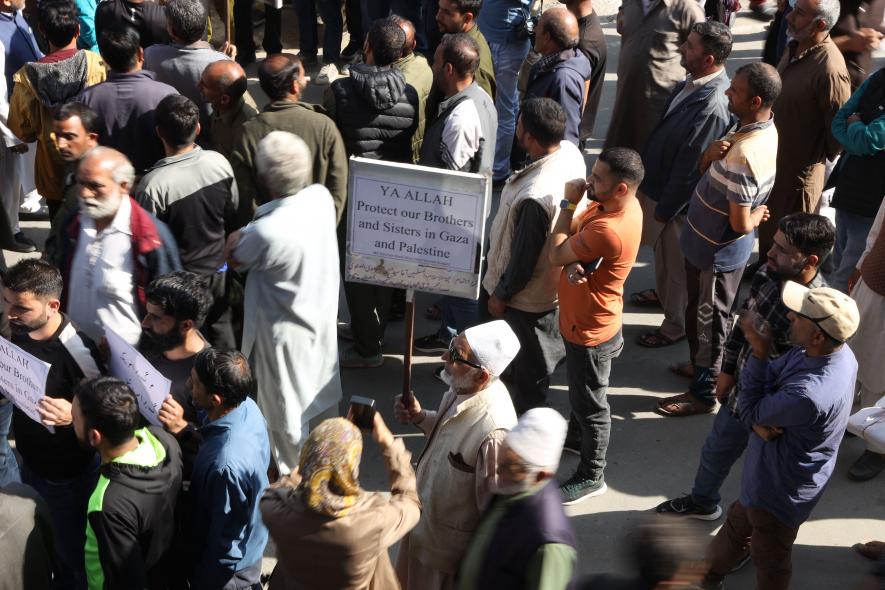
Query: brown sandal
(645, 298)
(656, 339)
(683, 405)
(872, 550)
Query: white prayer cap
(538, 437)
(493, 344)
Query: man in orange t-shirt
(605, 238)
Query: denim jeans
(458, 314)
(588, 370)
(724, 446)
(67, 501)
(507, 58)
(330, 11)
(851, 240)
(9, 472)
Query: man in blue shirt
(797, 406)
(230, 474)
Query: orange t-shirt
(590, 314)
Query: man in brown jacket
(648, 66)
(815, 84)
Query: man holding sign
(53, 462)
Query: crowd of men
(210, 235)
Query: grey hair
(283, 163)
(123, 170)
(828, 11)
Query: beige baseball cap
(833, 311)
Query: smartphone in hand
(362, 412)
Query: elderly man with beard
(524, 539)
(457, 469)
(53, 462)
(110, 250)
(801, 244)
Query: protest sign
(23, 379)
(149, 385)
(415, 227)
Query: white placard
(415, 227)
(149, 385)
(23, 379)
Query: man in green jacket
(418, 75)
(459, 16)
(282, 78)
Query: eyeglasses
(455, 356)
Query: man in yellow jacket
(42, 86)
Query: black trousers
(244, 30)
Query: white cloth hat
(493, 344)
(538, 437)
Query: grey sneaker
(687, 507)
(578, 488)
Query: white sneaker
(328, 74)
(31, 202)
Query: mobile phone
(590, 267)
(362, 412)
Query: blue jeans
(507, 58)
(458, 314)
(724, 446)
(330, 11)
(67, 501)
(851, 240)
(9, 472)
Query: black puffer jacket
(376, 112)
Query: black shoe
(685, 506)
(437, 373)
(351, 52)
(308, 61)
(245, 59)
(22, 243)
(868, 466)
(431, 344)
(578, 488)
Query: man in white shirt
(110, 249)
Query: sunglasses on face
(455, 356)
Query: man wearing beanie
(524, 539)
(797, 406)
(457, 469)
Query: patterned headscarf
(329, 467)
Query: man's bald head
(223, 83)
(409, 29)
(281, 76)
(560, 27)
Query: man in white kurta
(290, 253)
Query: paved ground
(650, 458)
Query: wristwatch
(566, 204)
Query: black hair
(545, 119)
(809, 233)
(33, 275)
(472, 6)
(660, 549)
(109, 406)
(225, 373)
(187, 19)
(87, 116)
(715, 37)
(58, 20)
(462, 52)
(177, 117)
(119, 44)
(401, 22)
(386, 39)
(763, 81)
(624, 164)
(182, 295)
(276, 84)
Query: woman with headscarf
(329, 532)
